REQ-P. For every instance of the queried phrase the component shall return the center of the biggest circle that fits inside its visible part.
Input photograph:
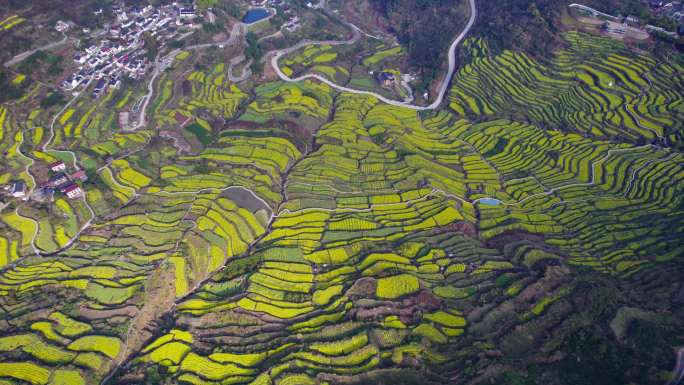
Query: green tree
(254, 52)
(151, 45)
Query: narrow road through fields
(162, 63)
(592, 181)
(443, 88)
(44, 148)
(27, 170)
(57, 115)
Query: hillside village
(117, 52)
(121, 50)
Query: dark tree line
(424, 27)
(528, 25)
(427, 27)
(254, 52)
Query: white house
(80, 59)
(18, 189)
(187, 13)
(61, 26)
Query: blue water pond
(489, 201)
(255, 14)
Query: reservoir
(255, 14)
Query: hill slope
(286, 233)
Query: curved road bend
(246, 71)
(20, 57)
(444, 87)
(678, 369)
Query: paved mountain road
(443, 88)
(20, 57)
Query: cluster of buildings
(292, 23)
(621, 24)
(121, 49)
(60, 180)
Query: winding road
(27, 170)
(443, 88)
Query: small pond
(489, 201)
(255, 14)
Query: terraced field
(595, 87)
(349, 64)
(291, 234)
(11, 22)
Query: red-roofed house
(73, 191)
(79, 175)
(57, 166)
